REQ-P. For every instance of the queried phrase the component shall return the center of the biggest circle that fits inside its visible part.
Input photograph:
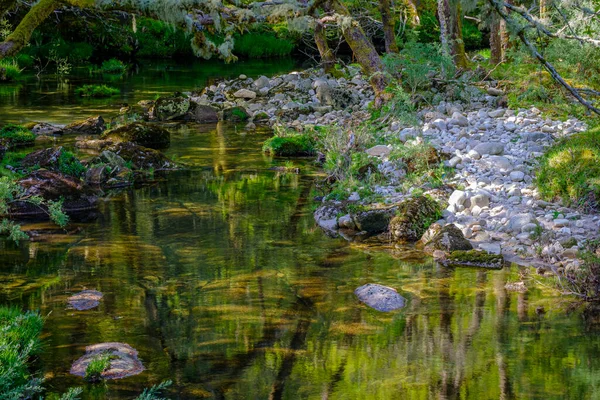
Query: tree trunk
(327, 57)
(449, 14)
(496, 40)
(414, 12)
(365, 53)
(389, 26)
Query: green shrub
(291, 145)
(570, 170)
(95, 368)
(472, 36)
(114, 67)
(19, 341)
(96, 91)
(158, 39)
(16, 135)
(259, 45)
(68, 164)
(9, 70)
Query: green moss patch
(16, 135)
(290, 146)
(474, 258)
(96, 91)
(570, 171)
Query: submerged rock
(85, 300)
(90, 126)
(204, 114)
(140, 133)
(413, 217)
(448, 239)
(381, 298)
(124, 360)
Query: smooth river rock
(381, 298)
(85, 300)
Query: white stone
(457, 197)
(517, 176)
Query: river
(220, 279)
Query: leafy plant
(288, 144)
(96, 91)
(113, 66)
(68, 164)
(9, 70)
(16, 135)
(153, 392)
(96, 366)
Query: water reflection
(219, 278)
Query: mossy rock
(373, 221)
(143, 158)
(170, 108)
(55, 159)
(413, 217)
(89, 126)
(140, 133)
(236, 114)
(473, 258)
(16, 136)
(290, 146)
(261, 116)
(448, 239)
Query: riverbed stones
(491, 148)
(90, 126)
(379, 297)
(85, 300)
(413, 217)
(140, 133)
(124, 360)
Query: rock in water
(123, 363)
(85, 300)
(447, 239)
(413, 218)
(90, 126)
(381, 298)
(140, 133)
(170, 108)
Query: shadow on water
(220, 279)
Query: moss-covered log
(327, 57)
(389, 24)
(363, 51)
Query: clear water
(220, 279)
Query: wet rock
(204, 114)
(170, 108)
(235, 114)
(245, 94)
(473, 258)
(85, 300)
(326, 217)
(140, 133)
(92, 144)
(98, 175)
(373, 221)
(143, 158)
(413, 217)
(43, 128)
(78, 197)
(448, 239)
(124, 360)
(44, 158)
(381, 298)
(90, 126)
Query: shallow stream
(221, 281)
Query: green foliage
(96, 366)
(153, 393)
(570, 170)
(11, 159)
(9, 70)
(259, 45)
(16, 135)
(72, 394)
(19, 341)
(96, 91)
(290, 144)
(114, 67)
(472, 36)
(399, 107)
(56, 213)
(157, 39)
(12, 230)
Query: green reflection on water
(52, 99)
(219, 278)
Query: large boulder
(204, 114)
(143, 158)
(44, 158)
(170, 108)
(381, 298)
(141, 133)
(447, 239)
(413, 217)
(89, 126)
(373, 221)
(78, 197)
